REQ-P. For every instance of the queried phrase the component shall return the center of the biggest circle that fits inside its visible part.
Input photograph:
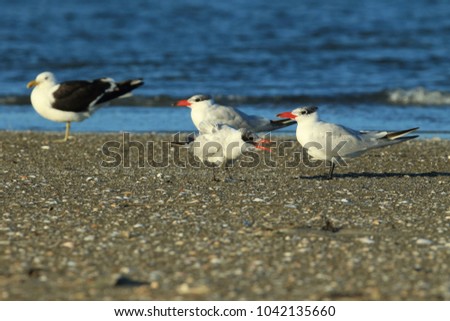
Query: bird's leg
(330, 174)
(227, 166)
(227, 170)
(66, 136)
(67, 131)
(215, 179)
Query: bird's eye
(303, 112)
(197, 100)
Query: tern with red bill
(75, 100)
(335, 143)
(203, 108)
(221, 145)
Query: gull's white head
(301, 114)
(45, 77)
(195, 100)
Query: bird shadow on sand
(377, 175)
(124, 281)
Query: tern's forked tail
(401, 134)
(392, 138)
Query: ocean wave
(407, 97)
(418, 96)
(14, 100)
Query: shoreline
(423, 136)
(74, 230)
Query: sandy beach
(89, 221)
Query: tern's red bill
(287, 114)
(183, 102)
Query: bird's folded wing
(79, 95)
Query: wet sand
(72, 229)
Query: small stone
(125, 270)
(197, 290)
(215, 260)
(71, 263)
(366, 240)
(423, 242)
(69, 245)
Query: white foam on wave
(419, 96)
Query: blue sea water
(368, 64)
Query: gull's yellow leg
(67, 131)
(66, 137)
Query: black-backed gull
(75, 100)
